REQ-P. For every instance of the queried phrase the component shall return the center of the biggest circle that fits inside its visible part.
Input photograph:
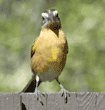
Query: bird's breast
(49, 55)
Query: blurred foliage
(84, 26)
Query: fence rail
(53, 101)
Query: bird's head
(50, 19)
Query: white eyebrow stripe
(55, 12)
(44, 14)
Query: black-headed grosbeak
(48, 54)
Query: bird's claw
(64, 93)
(38, 95)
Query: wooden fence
(53, 101)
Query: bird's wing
(33, 48)
(67, 46)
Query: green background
(83, 22)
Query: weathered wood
(10, 101)
(53, 101)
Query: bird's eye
(43, 18)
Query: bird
(48, 54)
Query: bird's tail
(30, 87)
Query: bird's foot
(38, 95)
(64, 93)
